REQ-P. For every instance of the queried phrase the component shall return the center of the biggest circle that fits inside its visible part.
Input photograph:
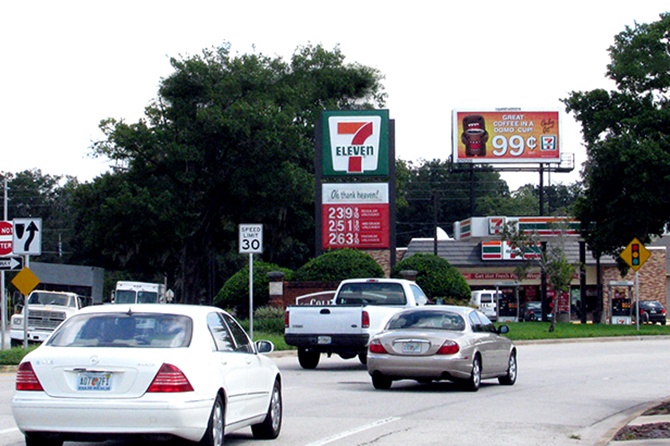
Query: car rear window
(148, 330)
(371, 293)
(427, 320)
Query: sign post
(635, 254)
(251, 242)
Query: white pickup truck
(359, 310)
(46, 311)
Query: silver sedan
(441, 342)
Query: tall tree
(229, 140)
(34, 195)
(627, 136)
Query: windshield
(439, 320)
(61, 300)
(124, 297)
(124, 330)
(147, 297)
(371, 293)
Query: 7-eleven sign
(355, 142)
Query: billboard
(355, 215)
(505, 136)
(355, 142)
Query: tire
(39, 439)
(363, 357)
(308, 359)
(510, 378)
(216, 425)
(271, 425)
(475, 380)
(381, 382)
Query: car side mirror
(503, 329)
(264, 347)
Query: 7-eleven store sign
(355, 142)
(501, 250)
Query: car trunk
(71, 372)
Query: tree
(626, 133)
(229, 140)
(34, 195)
(549, 256)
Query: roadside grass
(519, 331)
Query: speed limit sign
(251, 239)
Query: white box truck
(139, 293)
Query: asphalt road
(569, 393)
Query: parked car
(441, 342)
(651, 311)
(148, 371)
(532, 311)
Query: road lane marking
(353, 431)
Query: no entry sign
(6, 237)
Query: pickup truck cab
(359, 310)
(46, 310)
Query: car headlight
(17, 321)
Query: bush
(436, 277)
(15, 355)
(234, 294)
(337, 265)
(269, 320)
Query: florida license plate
(411, 347)
(98, 381)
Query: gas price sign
(355, 216)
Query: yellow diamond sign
(25, 281)
(635, 254)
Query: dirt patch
(647, 431)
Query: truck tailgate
(330, 319)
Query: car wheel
(271, 425)
(214, 433)
(663, 322)
(308, 359)
(381, 382)
(39, 439)
(475, 379)
(363, 357)
(510, 378)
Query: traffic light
(635, 254)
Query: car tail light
(663, 311)
(26, 378)
(286, 319)
(376, 347)
(365, 319)
(170, 379)
(448, 348)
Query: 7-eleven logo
(354, 143)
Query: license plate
(98, 381)
(323, 340)
(411, 347)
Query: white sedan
(154, 371)
(441, 342)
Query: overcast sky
(69, 64)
